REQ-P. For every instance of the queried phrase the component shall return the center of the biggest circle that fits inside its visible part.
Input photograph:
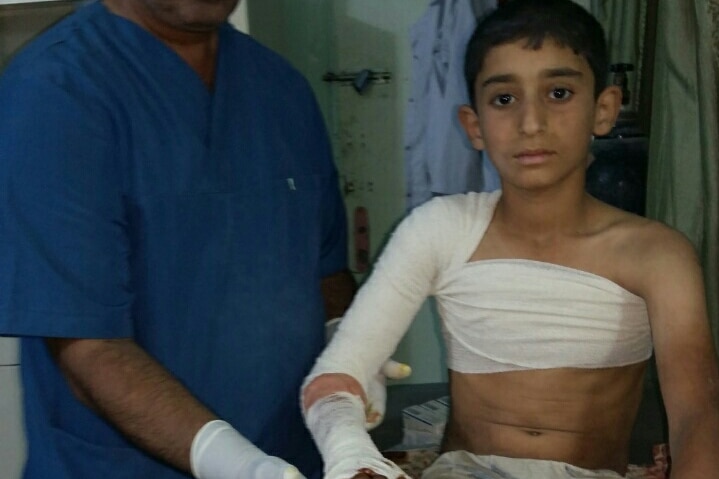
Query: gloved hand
(220, 452)
(377, 388)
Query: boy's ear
(607, 110)
(470, 122)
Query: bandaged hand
(218, 451)
(377, 388)
(337, 424)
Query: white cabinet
(12, 440)
(9, 352)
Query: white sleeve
(387, 303)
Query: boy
(551, 301)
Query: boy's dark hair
(563, 21)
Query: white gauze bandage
(337, 424)
(376, 388)
(218, 451)
(378, 318)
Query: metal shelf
(26, 2)
(24, 5)
(12, 8)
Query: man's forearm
(126, 386)
(338, 290)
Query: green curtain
(684, 143)
(625, 23)
(677, 70)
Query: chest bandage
(508, 315)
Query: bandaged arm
(386, 304)
(376, 392)
(369, 333)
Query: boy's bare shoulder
(648, 245)
(646, 237)
(639, 253)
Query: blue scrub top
(136, 202)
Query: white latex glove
(337, 424)
(377, 388)
(220, 452)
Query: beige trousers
(465, 465)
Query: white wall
(239, 17)
(584, 3)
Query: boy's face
(535, 113)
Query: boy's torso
(580, 416)
(583, 417)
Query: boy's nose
(533, 118)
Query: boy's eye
(504, 99)
(560, 94)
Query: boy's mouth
(533, 157)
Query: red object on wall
(361, 239)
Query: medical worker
(169, 222)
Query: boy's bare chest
(602, 254)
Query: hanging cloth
(439, 159)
